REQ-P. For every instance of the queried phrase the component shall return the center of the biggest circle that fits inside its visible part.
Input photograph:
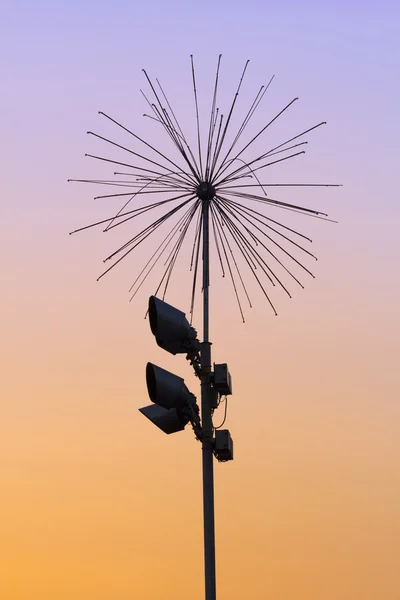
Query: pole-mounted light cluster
(174, 406)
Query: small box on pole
(223, 447)
(222, 379)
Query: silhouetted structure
(207, 198)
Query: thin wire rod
(272, 202)
(177, 134)
(244, 250)
(197, 229)
(165, 216)
(211, 144)
(258, 98)
(160, 104)
(134, 153)
(214, 158)
(152, 227)
(284, 185)
(216, 242)
(168, 124)
(177, 123)
(256, 177)
(228, 119)
(286, 149)
(229, 179)
(262, 201)
(188, 215)
(297, 136)
(164, 179)
(159, 250)
(141, 193)
(162, 184)
(224, 241)
(197, 116)
(230, 271)
(169, 128)
(114, 182)
(222, 168)
(132, 197)
(116, 162)
(142, 209)
(183, 228)
(274, 162)
(161, 282)
(142, 235)
(287, 142)
(165, 175)
(147, 230)
(139, 237)
(240, 239)
(160, 118)
(146, 144)
(196, 265)
(240, 209)
(252, 110)
(247, 118)
(165, 243)
(238, 235)
(269, 251)
(174, 134)
(155, 205)
(281, 248)
(174, 117)
(244, 245)
(176, 137)
(212, 121)
(251, 210)
(174, 258)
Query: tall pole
(206, 417)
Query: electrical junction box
(223, 446)
(222, 380)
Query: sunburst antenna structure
(212, 198)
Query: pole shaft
(207, 426)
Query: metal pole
(207, 426)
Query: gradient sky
(95, 503)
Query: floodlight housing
(170, 327)
(169, 421)
(166, 389)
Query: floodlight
(169, 421)
(170, 327)
(166, 389)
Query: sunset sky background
(95, 502)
